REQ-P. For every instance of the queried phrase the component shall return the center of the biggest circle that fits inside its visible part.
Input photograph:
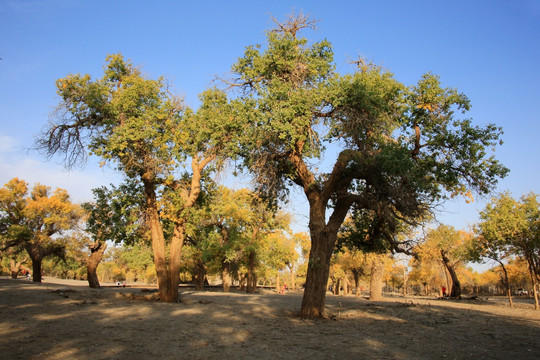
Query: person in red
(443, 291)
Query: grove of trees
(371, 155)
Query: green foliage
(403, 148)
(116, 214)
(509, 227)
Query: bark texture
(96, 255)
(376, 282)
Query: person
(443, 291)
(28, 276)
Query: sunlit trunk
(166, 292)
(251, 273)
(226, 276)
(506, 282)
(314, 300)
(456, 285)
(96, 254)
(376, 282)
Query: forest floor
(61, 319)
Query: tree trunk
(200, 274)
(345, 286)
(534, 282)
(335, 286)
(15, 267)
(166, 292)
(456, 285)
(376, 282)
(293, 277)
(96, 254)
(177, 242)
(278, 287)
(405, 281)
(36, 269)
(506, 283)
(322, 245)
(251, 273)
(226, 276)
(356, 275)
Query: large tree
(33, 220)
(137, 124)
(399, 149)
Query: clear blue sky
(487, 49)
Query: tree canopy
(400, 148)
(141, 127)
(34, 219)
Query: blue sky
(489, 50)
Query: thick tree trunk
(376, 282)
(456, 285)
(226, 276)
(177, 242)
(345, 285)
(322, 245)
(96, 254)
(356, 275)
(251, 273)
(166, 293)
(200, 275)
(335, 286)
(36, 269)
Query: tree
(34, 220)
(115, 215)
(146, 131)
(510, 227)
(452, 248)
(401, 149)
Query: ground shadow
(47, 322)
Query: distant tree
(115, 215)
(511, 227)
(33, 220)
(452, 247)
(400, 149)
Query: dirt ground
(61, 319)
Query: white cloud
(78, 183)
(8, 144)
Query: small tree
(452, 248)
(34, 220)
(115, 215)
(510, 227)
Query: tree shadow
(41, 322)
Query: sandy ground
(61, 319)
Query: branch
(337, 179)
(294, 23)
